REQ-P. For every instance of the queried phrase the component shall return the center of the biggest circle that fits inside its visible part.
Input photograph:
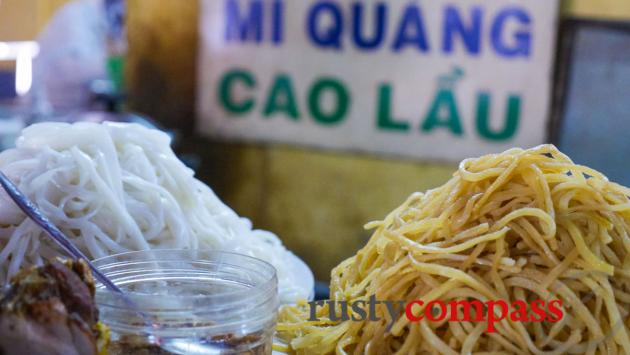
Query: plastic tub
(192, 302)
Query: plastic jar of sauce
(190, 302)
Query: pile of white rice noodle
(119, 187)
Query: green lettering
(338, 113)
(511, 118)
(225, 91)
(281, 98)
(384, 119)
(443, 113)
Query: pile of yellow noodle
(521, 225)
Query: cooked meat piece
(50, 310)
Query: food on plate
(51, 310)
(116, 187)
(523, 225)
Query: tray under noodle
(521, 225)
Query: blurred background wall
(316, 201)
(23, 19)
(597, 9)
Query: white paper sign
(422, 79)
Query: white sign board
(422, 79)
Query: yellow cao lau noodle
(521, 225)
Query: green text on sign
(240, 95)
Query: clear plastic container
(193, 302)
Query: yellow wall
(600, 9)
(18, 20)
(22, 20)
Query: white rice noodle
(116, 187)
